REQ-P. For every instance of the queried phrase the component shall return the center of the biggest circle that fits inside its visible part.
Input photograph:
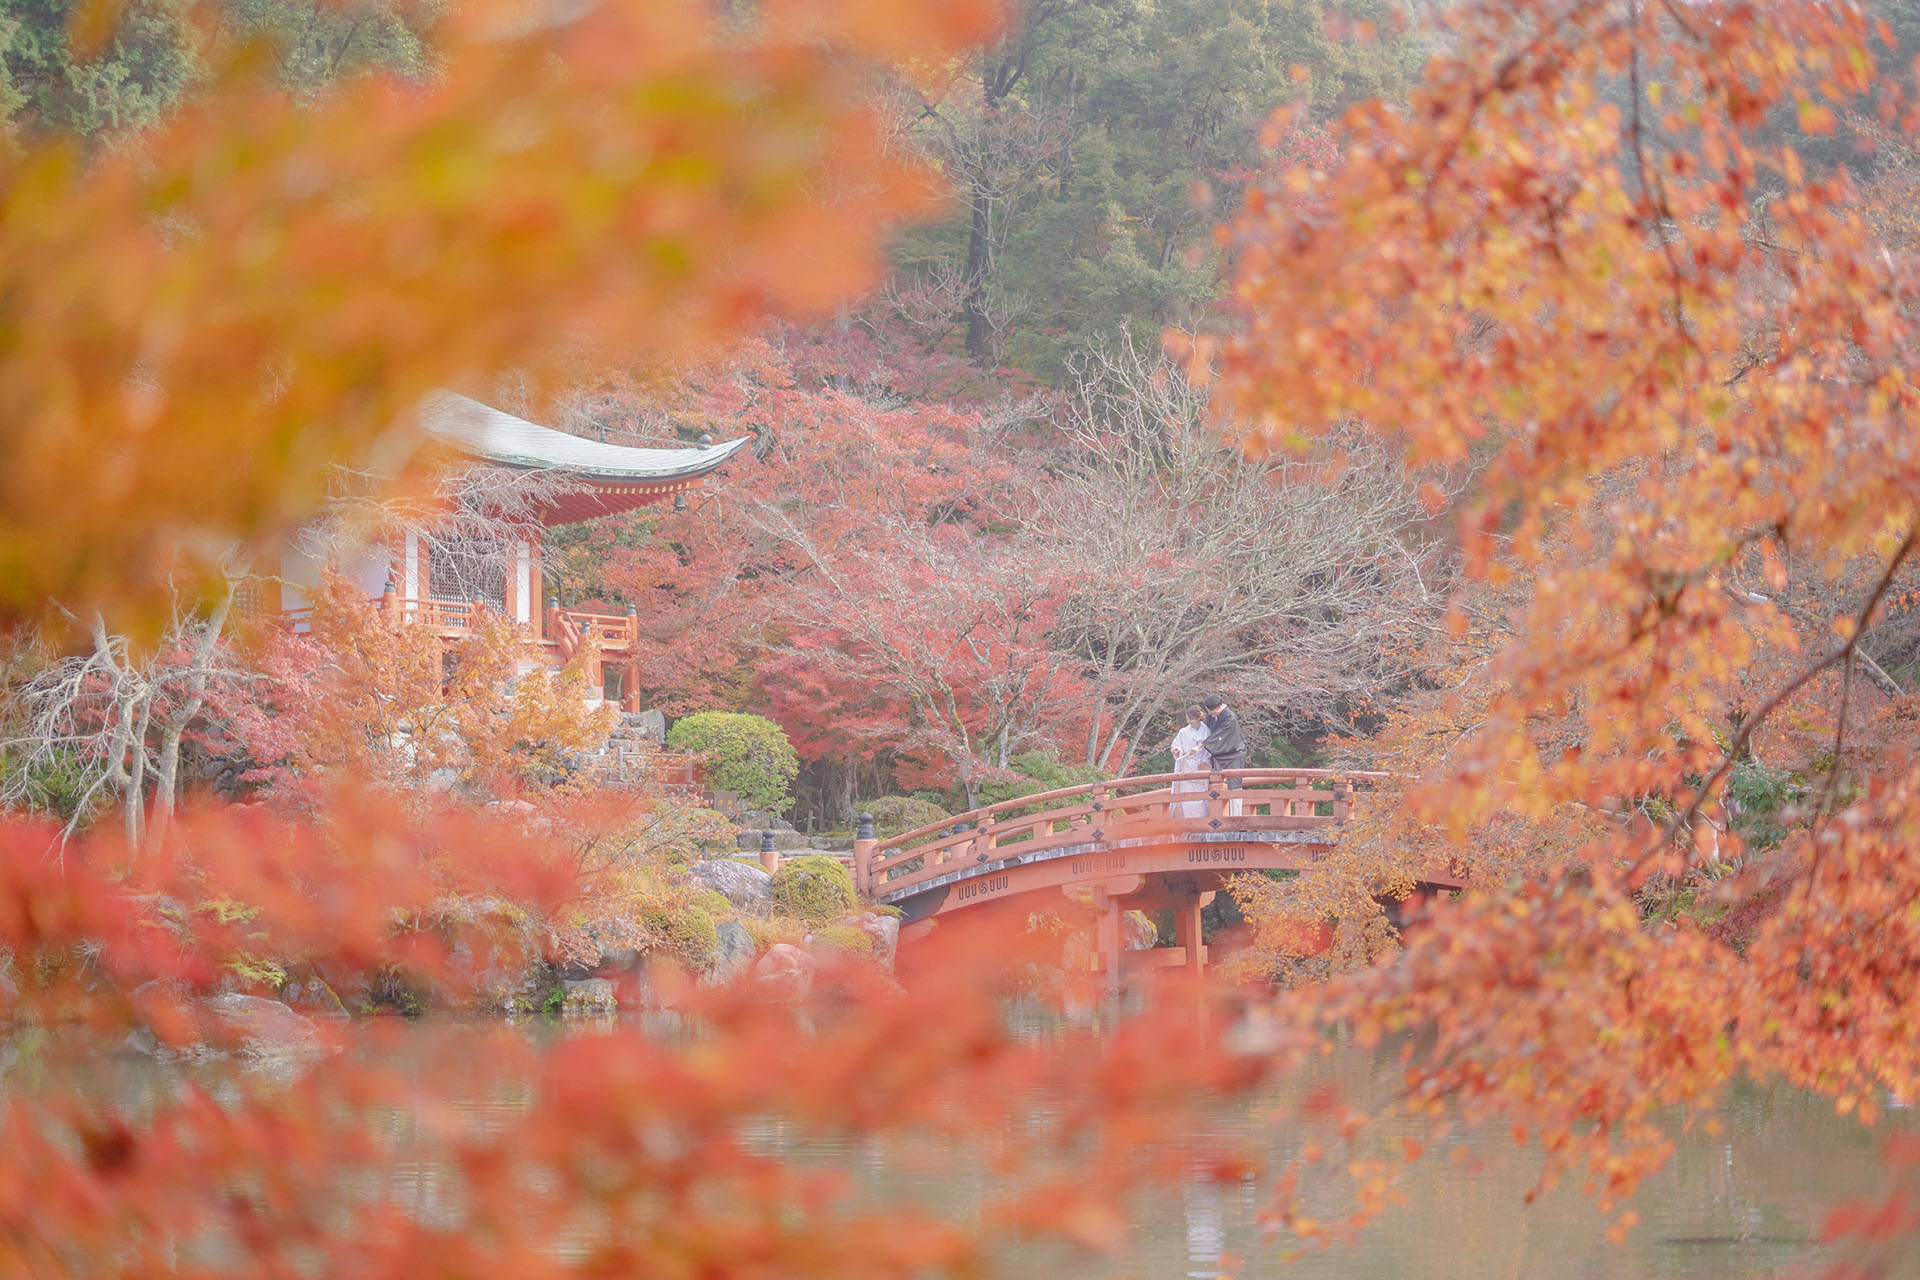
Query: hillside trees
(1196, 568)
(956, 639)
(150, 60)
(862, 577)
(158, 53)
(1081, 143)
(829, 467)
(901, 582)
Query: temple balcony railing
(561, 631)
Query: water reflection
(1739, 1204)
(1206, 1226)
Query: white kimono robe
(1189, 756)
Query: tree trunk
(166, 781)
(975, 306)
(1066, 144)
(134, 797)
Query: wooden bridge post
(769, 856)
(864, 843)
(1110, 935)
(1187, 929)
(1216, 795)
(983, 839)
(1342, 798)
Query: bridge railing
(1263, 800)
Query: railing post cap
(865, 829)
(766, 842)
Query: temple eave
(608, 498)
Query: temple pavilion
(600, 479)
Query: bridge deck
(1215, 823)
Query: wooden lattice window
(250, 598)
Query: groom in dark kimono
(1225, 743)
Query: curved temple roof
(488, 433)
(617, 477)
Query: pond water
(1743, 1202)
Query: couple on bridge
(1211, 739)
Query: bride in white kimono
(1190, 756)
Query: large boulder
(589, 997)
(307, 992)
(883, 931)
(746, 886)
(493, 952)
(494, 975)
(619, 944)
(784, 974)
(261, 1028)
(351, 984)
(650, 725)
(733, 957)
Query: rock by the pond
(309, 993)
(784, 974)
(648, 724)
(590, 997)
(761, 820)
(620, 943)
(748, 887)
(1140, 933)
(9, 996)
(263, 1028)
(884, 931)
(734, 955)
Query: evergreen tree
(155, 53)
(1079, 143)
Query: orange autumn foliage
(627, 1154)
(1584, 257)
(363, 695)
(200, 327)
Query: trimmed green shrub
(690, 933)
(1039, 771)
(893, 815)
(813, 887)
(747, 755)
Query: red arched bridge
(1129, 844)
